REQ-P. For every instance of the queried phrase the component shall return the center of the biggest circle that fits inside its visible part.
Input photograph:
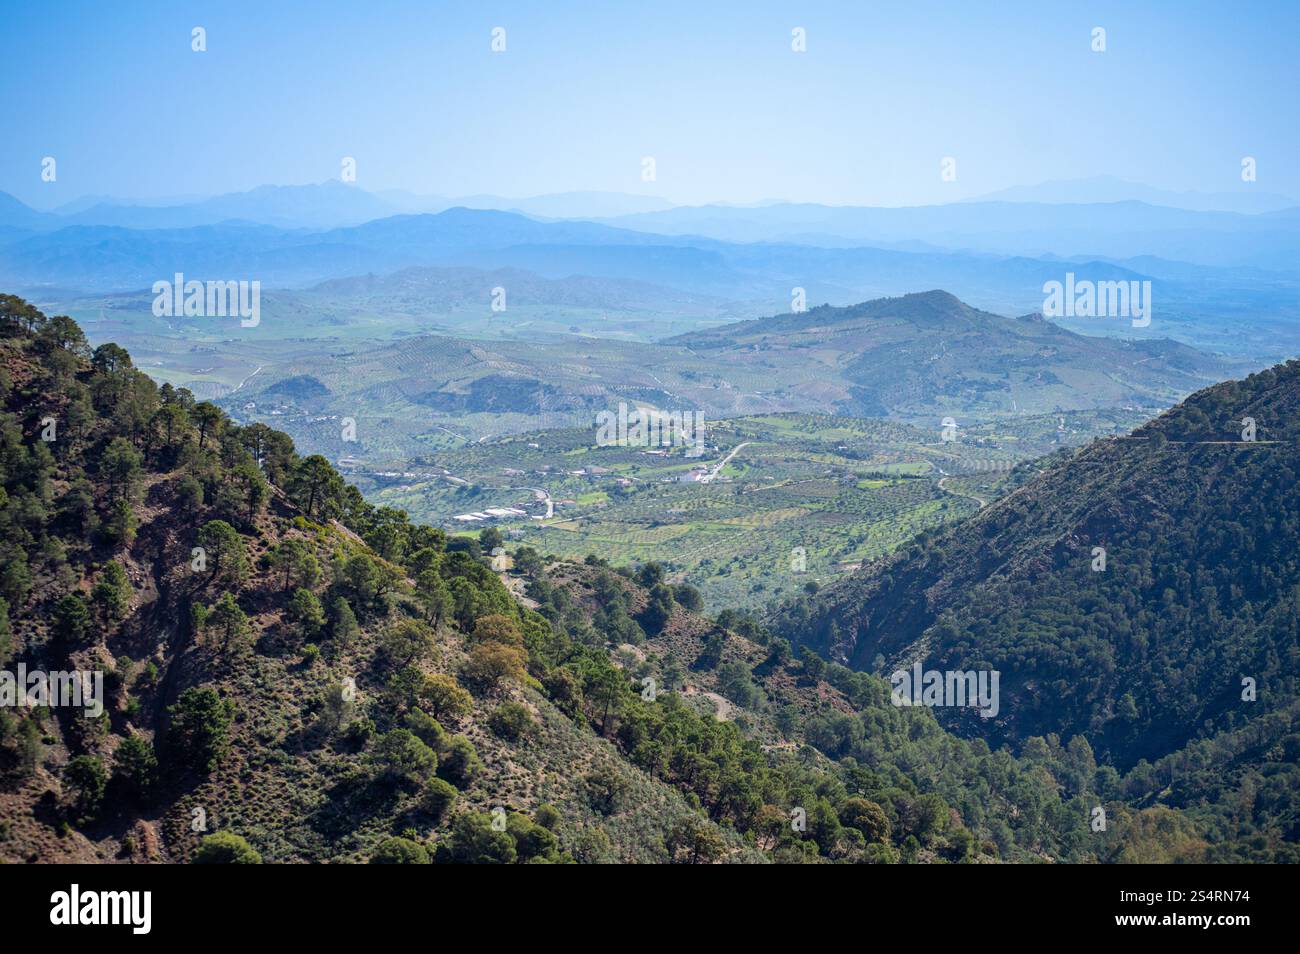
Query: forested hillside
(933, 796)
(291, 673)
(1140, 593)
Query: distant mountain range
(334, 203)
(560, 205)
(104, 258)
(1246, 305)
(327, 204)
(1100, 218)
(1125, 229)
(1246, 198)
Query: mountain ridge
(998, 589)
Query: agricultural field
(805, 499)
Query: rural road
(246, 380)
(717, 468)
(956, 493)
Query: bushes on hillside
(400, 851)
(226, 848)
(512, 721)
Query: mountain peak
(932, 305)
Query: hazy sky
(711, 90)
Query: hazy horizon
(43, 203)
(579, 98)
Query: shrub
(474, 841)
(189, 494)
(533, 842)
(498, 628)
(86, 777)
(564, 689)
(512, 720)
(6, 633)
(71, 619)
(227, 621)
(658, 609)
(689, 597)
(427, 729)
(359, 731)
(693, 841)
(148, 677)
(337, 704)
(343, 622)
(547, 815)
(465, 545)
(605, 790)
(490, 663)
(226, 848)
(400, 851)
(867, 817)
(407, 642)
(113, 591)
(305, 611)
(735, 684)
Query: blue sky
(711, 90)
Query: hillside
(325, 678)
(929, 354)
(934, 796)
(1147, 656)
